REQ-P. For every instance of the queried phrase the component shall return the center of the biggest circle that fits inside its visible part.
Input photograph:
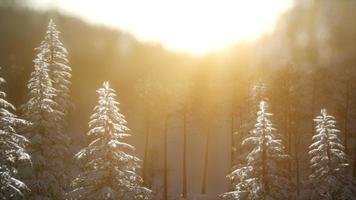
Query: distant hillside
(96, 53)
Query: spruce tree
(108, 170)
(256, 94)
(49, 146)
(12, 150)
(55, 55)
(261, 175)
(329, 162)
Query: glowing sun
(196, 26)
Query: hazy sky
(197, 26)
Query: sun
(196, 26)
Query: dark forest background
(307, 63)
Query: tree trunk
(184, 188)
(346, 115)
(354, 167)
(206, 161)
(232, 138)
(145, 157)
(289, 132)
(232, 153)
(249, 98)
(313, 106)
(296, 142)
(232, 127)
(165, 151)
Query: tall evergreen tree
(328, 162)
(108, 171)
(12, 150)
(49, 146)
(261, 175)
(255, 94)
(55, 55)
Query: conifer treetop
(55, 55)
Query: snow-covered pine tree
(262, 174)
(108, 170)
(55, 55)
(328, 162)
(49, 146)
(12, 150)
(257, 93)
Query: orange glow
(195, 26)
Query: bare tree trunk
(232, 138)
(354, 167)
(296, 143)
(249, 98)
(346, 115)
(313, 105)
(206, 161)
(165, 170)
(232, 127)
(289, 132)
(145, 157)
(184, 189)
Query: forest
(89, 112)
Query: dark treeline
(307, 63)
